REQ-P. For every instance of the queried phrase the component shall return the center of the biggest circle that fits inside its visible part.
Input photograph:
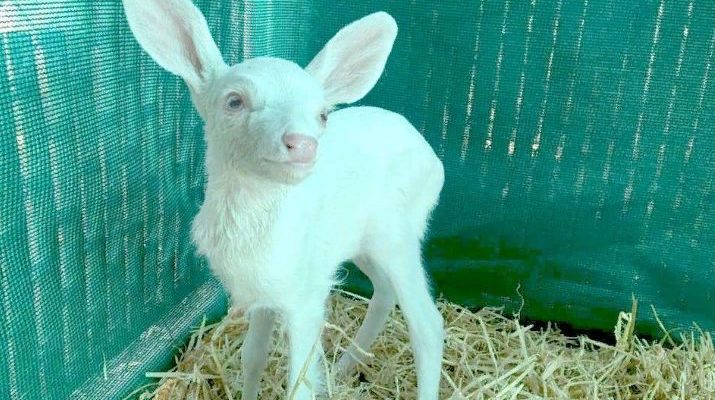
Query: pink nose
(301, 148)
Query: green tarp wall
(578, 138)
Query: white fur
(275, 232)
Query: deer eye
(234, 102)
(324, 117)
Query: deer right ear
(175, 34)
(352, 61)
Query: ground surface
(487, 356)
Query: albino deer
(294, 190)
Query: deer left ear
(175, 34)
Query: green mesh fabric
(578, 139)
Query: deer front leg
(254, 351)
(305, 375)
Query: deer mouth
(305, 165)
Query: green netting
(578, 139)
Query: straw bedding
(487, 356)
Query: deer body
(274, 246)
(293, 192)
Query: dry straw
(487, 356)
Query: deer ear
(175, 34)
(350, 64)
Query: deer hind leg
(382, 302)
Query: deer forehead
(273, 81)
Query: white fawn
(294, 190)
